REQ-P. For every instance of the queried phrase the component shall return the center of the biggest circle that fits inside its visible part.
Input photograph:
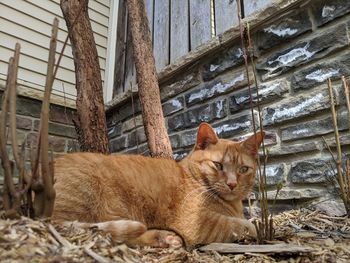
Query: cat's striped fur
(146, 201)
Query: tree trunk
(153, 119)
(91, 124)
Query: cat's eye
(243, 169)
(218, 165)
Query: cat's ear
(205, 136)
(253, 142)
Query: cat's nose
(231, 185)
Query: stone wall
(61, 129)
(295, 54)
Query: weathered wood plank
(252, 6)
(199, 22)
(120, 50)
(161, 33)
(179, 29)
(149, 11)
(225, 15)
(236, 248)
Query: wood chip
(96, 256)
(59, 238)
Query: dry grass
(26, 240)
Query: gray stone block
(194, 116)
(175, 141)
(58, 129)
(318, 73)
(288, 27)
(216, 88)
(57, 144)
(124, 111)
(22, 123)
(303, 52)
(344, 140)
(325, 11)
(219, 109)
(132, 123)
(178, 86)
(62, 114)
(173, 105)
(314, 127)
(222, 61)
(234, 126)
(136, 137)
(114, 131)
(313, 171)
(300, 193)
(73, 146)
(267, 92)
(274, 174)
(301, 105)
(188, 138)
(197, 115)
(117, 144)
(28, 107)
(292, 149)
(176, 122)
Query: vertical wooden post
(153, 119)
(91, 124)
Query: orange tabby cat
(147, 201)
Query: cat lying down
(159, 202)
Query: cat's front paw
(243, 229)
(251, 229)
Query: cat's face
(228, 167)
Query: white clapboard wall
(29, 23)
(177, 27)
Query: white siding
(29, 23)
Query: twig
(347, 97)
(9, 185)
(12, 102)
(64, 242)
(134, 119)
(96, 256)
(336, 134)
(266, 223)
(45, 168)
(329, 149)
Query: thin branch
(337, 141)
(12, 102)
(45, 168)
(347, 97)
(64, 242)
(96, 256)
(3, 119)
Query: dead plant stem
(336, 134)
(45, 169)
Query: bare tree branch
(45, 168)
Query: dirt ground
(26, 240)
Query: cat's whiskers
(195, 191)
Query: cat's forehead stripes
(231, 154)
